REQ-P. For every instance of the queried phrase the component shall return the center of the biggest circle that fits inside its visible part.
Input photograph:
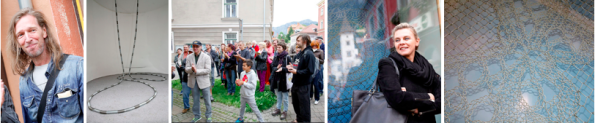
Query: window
(348, 42)
(321, 24)
(371, 22)
(321, 11)
(380, 12)
(230, 9)
(349, 53)
(381, 19)
(230, 37)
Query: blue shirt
(62, 110)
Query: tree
(281, 36)
(288, 36)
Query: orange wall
(61, 18)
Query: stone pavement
(225, 113)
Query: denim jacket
(62, 110)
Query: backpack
(316, 69)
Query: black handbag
(371, 106)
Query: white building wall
(203, 20)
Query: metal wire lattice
(518, 61)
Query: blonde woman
(416, 89)
(261, 65)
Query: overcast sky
(289, 10)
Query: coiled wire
(127, 76)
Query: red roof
(309, 29)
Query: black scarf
(420, 69)
(280, 60)
(281, 56)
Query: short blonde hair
(262, 45)
(404, 26)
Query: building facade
(221, 21)
(321, 19)
(309, 30)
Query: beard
(33, 54)
(300, 46)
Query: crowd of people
(288, 70)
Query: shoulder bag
(371, 106)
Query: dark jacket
(279, 79)
(214, 56)
(183, 75)
(261, 61)
(319, 54)
(8, 112)
(246, 54)
(305, 62)
(418, 78)
(230, 62)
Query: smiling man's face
(30, 35)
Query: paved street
(225, 113)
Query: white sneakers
(315, 102)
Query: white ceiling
(129, 6)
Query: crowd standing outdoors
(288, 70)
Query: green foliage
(264, 100)
(281, 36)
(288, 36)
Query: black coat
(214, 56)
(261, 61)
(181, 72)
(279, 79)
(230, 63)
(246, 54)
(418, 78)
(306, 62)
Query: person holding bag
(230, 68)
(279, 85)
(409, 87)
(416, 90)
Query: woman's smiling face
(405, 42)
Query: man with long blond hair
(51, 83)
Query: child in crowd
(247, 81)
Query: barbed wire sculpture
(518, 61)
(127, 76)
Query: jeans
(252, 103)
(282, 98)
(231, 81)
(196, 95)
(218, 65)
(321, 80)
(185, 95)
(212, 76)
(301, 102)
(317, 86)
